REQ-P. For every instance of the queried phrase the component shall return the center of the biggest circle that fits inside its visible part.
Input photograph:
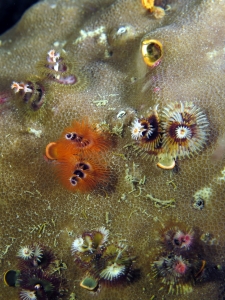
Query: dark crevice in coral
(11, 11)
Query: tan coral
(35, 207)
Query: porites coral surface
(101, 43)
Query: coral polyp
(81, 245)
(176, 272)
(53, 66)
(136, 129)
(83, 136)
(152, 132)
(29, 97)
(116, 264)
(53, 56)
(183, 240)
(101, 236)
(172, 268)
(28, 295)
(82, 174)
(177, 239)
(26, 252)
(91, 243)
(42, 258)
(147, 132)
(112, 272)
(185, 129)
(24, 87)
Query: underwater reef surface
(108, 84)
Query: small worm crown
(182, 261)
(103, 262)
(77, 157)
(34, 276)
(31, 96)
(178, 131)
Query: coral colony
(169, 131)
(34, 276)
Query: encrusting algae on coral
(120, 102)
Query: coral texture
(107, 80)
